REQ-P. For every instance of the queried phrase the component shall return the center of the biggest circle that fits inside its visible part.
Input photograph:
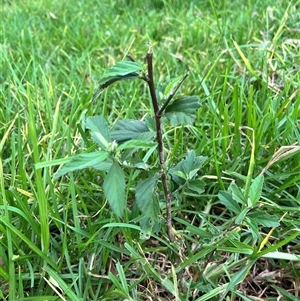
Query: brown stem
(160, 143)
(150, 80)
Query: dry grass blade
(281, 153)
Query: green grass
(59, 239)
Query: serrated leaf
(187, 166)
(114, 189)
(183, 110)
(227, 200)
(192, 173)
(122, 68)
(126, 129)
(196, 185)
(149, 225)
(255, 190)
(148, 204)
(136, 144)
(150, 123)
(99, 130)
(187, 104)
(192, 162)
(120, 71)
(237, 193)
(144, 195)
(264, 219)
(104, 165)
(82, 161)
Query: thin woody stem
(150, 80)
(159, 137)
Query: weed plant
(236, 232)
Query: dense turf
(59, 239)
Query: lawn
(231, 165)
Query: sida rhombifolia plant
(119, 144)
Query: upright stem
(159, 137)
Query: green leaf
(183, 110)
(236, 193)
(168, 90)
(144, 195)
(114, 189)
(100, 131)
(115, 280)
(82, 161)
(241, 216)
(264, 219)
(285, 294)
(180, 174)
(211, 292)
(187, 166)
(171, 85)
(120, 71)
(227, 200)
(126, 129)
(28, 242)
(164, 91)
(149, 225)
(238, 277)
(148, 204)
(196, 185)
(200, 255)
(3, 274)
(104, 165)
(172, 287)
(255, 190)
(203, 233)
(255, 231)
(136, 144)
(122, 68)
(119, 225)
(246, 249)
(58, 282)
(60, 161)
(278, 245)
(282, 255)
(160, 92)
(122, 278)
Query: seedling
(118, 143)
